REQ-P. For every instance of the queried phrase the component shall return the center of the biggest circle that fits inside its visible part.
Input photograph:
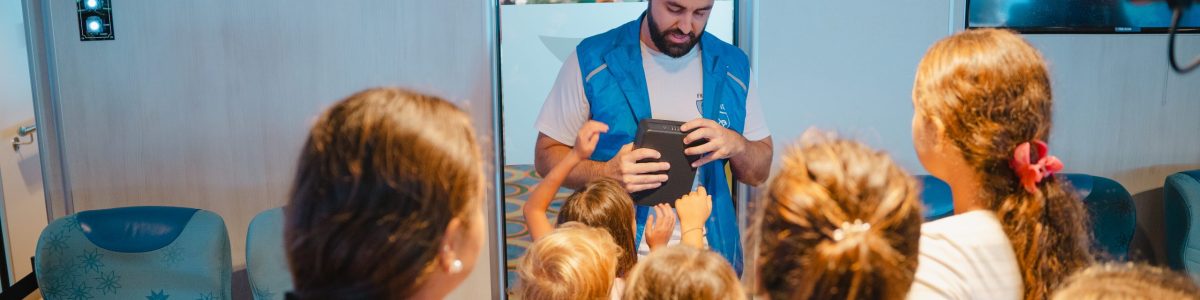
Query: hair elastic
(1032, 172)
(847, 228)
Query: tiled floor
(519, 181)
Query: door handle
(22, 132)
(26, 130)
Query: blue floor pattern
(519, 181)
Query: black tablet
(666, 138)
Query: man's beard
(671, 49)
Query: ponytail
(861, 259)
(1047, 232)
(841, 221)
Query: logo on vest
(722, 116)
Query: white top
(675, 86)
(617, 290)
(966, 256)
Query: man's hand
(722, 143)
(585, 141)
(658, 230)
(635, 176)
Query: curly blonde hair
(1127, 281)
(683, 272)
(573, 262)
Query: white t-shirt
(675, 86)
(617, 289)
(966, 256)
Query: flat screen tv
(1078, 16)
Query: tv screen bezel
(1077, 30)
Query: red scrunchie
(1033, 172)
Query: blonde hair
(1127, 282)
(841, 221)
(683, 272)
(573, 262)
(989, 91)
(604, 204)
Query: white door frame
(40, 39)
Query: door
(22, 200)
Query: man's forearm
(550, 153)
(753, 165)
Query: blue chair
(935, 193)
(266, 261)
(1110, 206)
(1181, 200)
(1111, 210)
(145, 252)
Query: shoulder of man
(729, 54)
(722, 48)
(596, 46)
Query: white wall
(844, 65)
(14, 66)
(1119, 111)
(849, 65)
(206, 103)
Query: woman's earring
(456, 265)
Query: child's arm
(544, 192)
(694, 209)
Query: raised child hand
(694, 208)
(585, 141)
(658, 230)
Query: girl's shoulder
(964, 255)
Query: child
(605, 204)
(840, 221)
(573, 262)
(387, 200)
(1127, 281)
(683, 272)
(982, 118)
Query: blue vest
(615, 84)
